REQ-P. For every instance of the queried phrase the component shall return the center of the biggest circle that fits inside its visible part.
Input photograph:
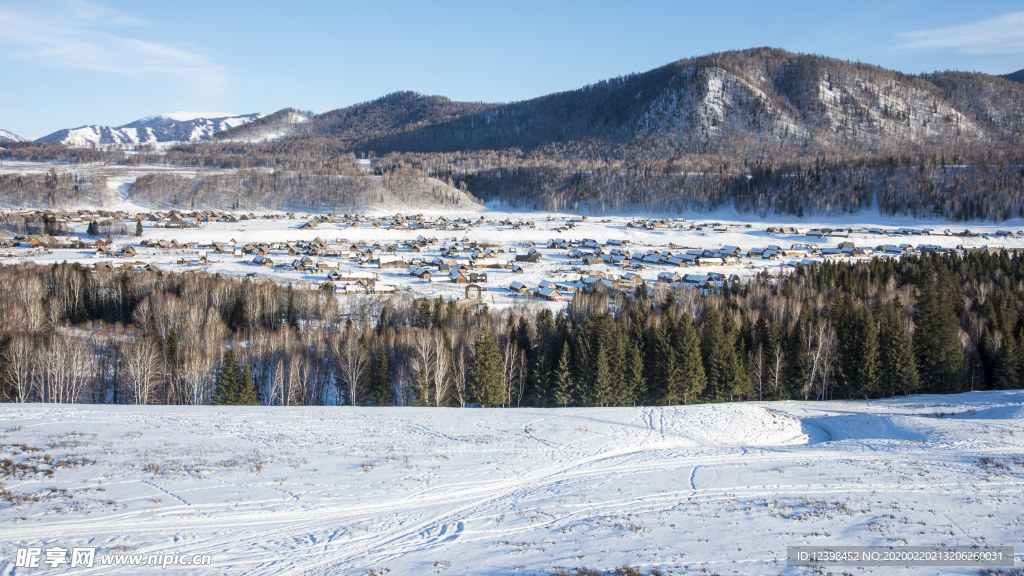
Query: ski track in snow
(318, 490)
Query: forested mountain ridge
(719, 103)
(1017, 76)
(393, 114)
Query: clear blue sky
(66, 63)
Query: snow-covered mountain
(6, 136)
(153, 130)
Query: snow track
(722, 488)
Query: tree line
(933, 323)
(53, 190)
(284, 191)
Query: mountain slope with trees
(737, 101)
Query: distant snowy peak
(6, 136)
(183, 116)
(153, 130)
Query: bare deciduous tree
(140, 370)
(353, 361)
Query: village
(498, 258)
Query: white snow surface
(689, 489)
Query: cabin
(391, 262)
(550, 294)
(420, 272)
(533, 256)
(42, 241)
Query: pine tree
(601, 393)
(381, 390)
(858, 349)
(1008, 363)
(634, 386)
(604, 355)
(710, 351)
(737, 383)
(797, 366)
(686, 344)
(562, 385)
(660, 368)
(897, 368)
(543, 358)
(233, 387)
(718, 353)
(251, 396)
(940, 357)
(291, 315)
(618, 360)
(170, 347)
(138, 228)
(485, 380)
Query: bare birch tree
(353, 360)
(140, 370)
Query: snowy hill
(6, 136)
(269, 127)
(153, 130)
(699, 489)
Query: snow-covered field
(692, 489)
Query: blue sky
(66, 63)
